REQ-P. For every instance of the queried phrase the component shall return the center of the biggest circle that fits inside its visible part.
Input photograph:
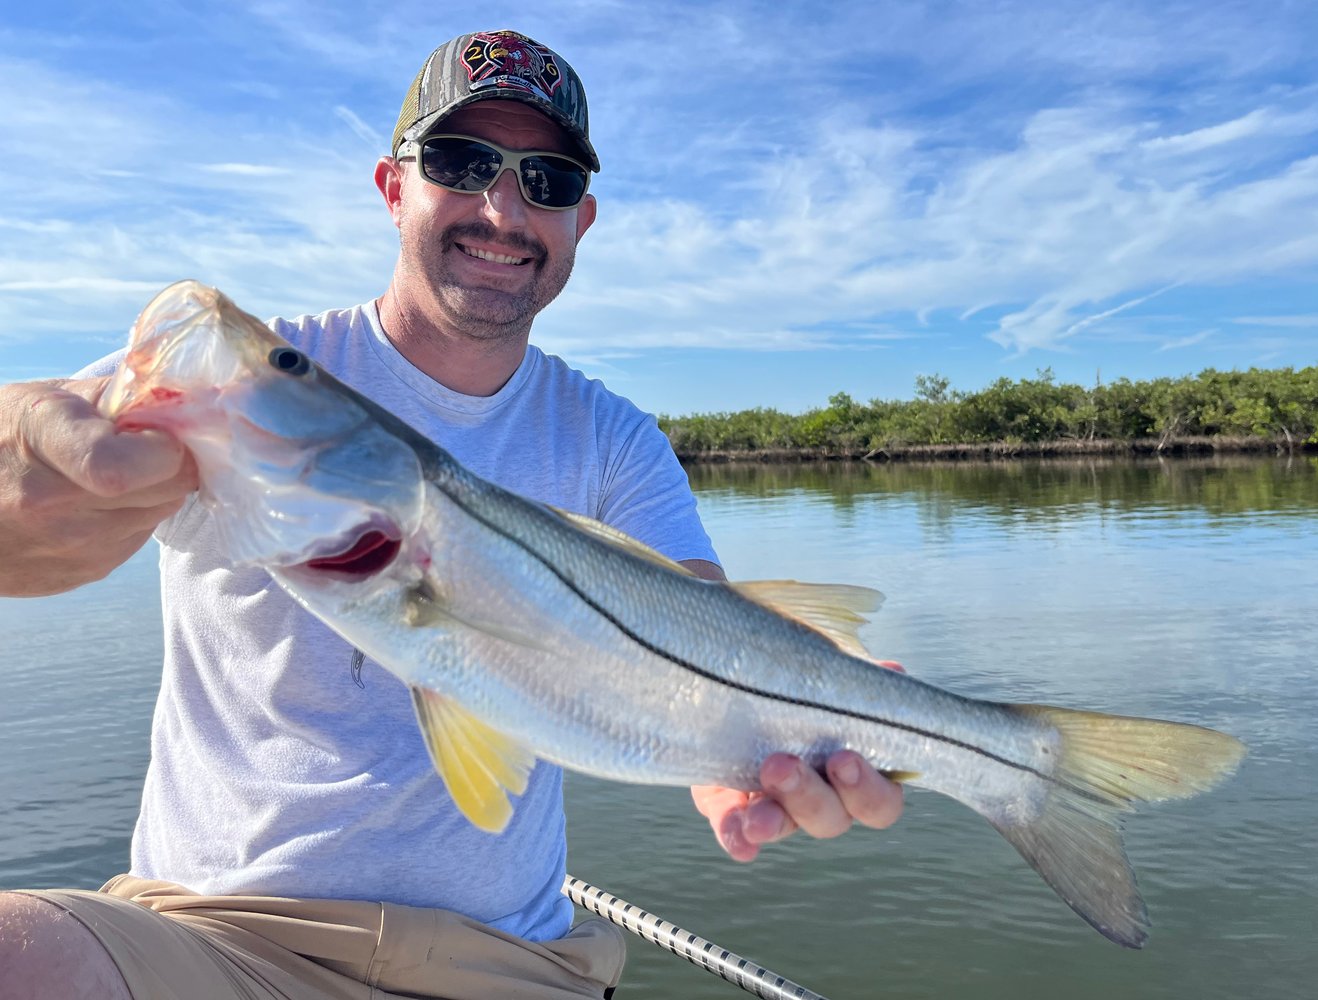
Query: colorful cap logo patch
(496, 65)
(505, 59)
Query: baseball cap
(503, 65)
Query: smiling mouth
(497, 258)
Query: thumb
(64, 431)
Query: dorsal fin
(619, 539)
(835, 609)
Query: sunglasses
(467, 165)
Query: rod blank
(751, 977)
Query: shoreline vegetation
(1267, 411)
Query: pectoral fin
(479, 764)
(425, 608)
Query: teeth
(498, 258)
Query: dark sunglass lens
(460, 164)
(553, 181)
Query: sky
(797, 198)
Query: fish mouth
(370, 551)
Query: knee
(46, 954)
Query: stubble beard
(479, 311)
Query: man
(293, 839)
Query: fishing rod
(728, 965)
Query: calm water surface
(1184, 589)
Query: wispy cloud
(246, 169)
(370, 136)
(1180, 343)
(1297, 322)
(1018, 178)
(1066, 228)
(81, 284)
(1201, 139)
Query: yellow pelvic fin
(479, 764)
(620, 539)
(838, 610)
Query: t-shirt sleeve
(646, 494)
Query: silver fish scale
(612, 665)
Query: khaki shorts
(172, 944)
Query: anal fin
(479, 765)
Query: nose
(503, 200)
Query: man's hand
(77, 496)
(796, 797)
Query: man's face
(489, 262)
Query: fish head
(297, 472)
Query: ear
(389, 179)
(585, 215)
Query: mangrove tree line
(1269, 408)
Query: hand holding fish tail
(77, 495)
(798, 798)
(795, 797)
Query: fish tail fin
(1106, 765)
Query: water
(1181, 589)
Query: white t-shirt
(272, 771)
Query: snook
(526, 632)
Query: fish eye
(289, 360)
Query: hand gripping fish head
(296, 472)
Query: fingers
(77, 496)
(798, 797)
(65, 432)
(725, 808)
(803, 796)
(866, 795)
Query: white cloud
(1181, 343)
(370, 136)
(1297, 322)
(81, 284)
(1066, 228)
(246, 169)
(781, 177)
(1206, 138)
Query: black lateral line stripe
(748, 689)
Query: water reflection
(1179, 589)
(1183, 589)
(1036, 490)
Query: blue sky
(797, 198)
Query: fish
(527, 633)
